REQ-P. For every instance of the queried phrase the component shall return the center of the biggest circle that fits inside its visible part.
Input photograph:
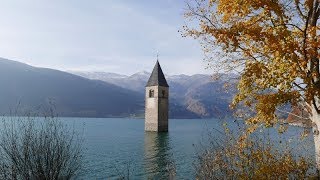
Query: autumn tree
(273, 44)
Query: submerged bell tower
(157, 101)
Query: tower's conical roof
(157, 77)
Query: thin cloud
(111, 36)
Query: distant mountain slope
(71, 95)
(191, 96)
(34, 89)
(135, 82)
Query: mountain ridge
(199, 94)
(102, 94)
(72, 95)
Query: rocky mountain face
(299, 117)
(195, 96)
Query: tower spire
(157, 77)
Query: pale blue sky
(121, 36)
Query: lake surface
(117, 146)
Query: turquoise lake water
(118, 146)
(115, 147)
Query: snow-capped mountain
(199, 94)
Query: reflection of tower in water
(158, 161)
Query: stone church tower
(157, 94)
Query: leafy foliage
(272, 44)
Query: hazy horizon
(142, 71)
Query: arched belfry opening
(151, 93)
(157, 101)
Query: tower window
(151, 93)
(163, 93)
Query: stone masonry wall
(156, 109)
